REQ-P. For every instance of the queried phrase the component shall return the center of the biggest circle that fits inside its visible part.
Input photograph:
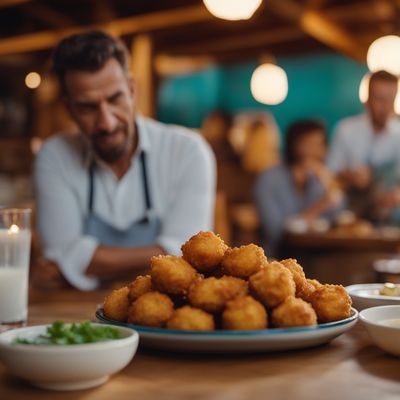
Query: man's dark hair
(382, 76)
(87, 51)
(296, 132)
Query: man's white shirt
(355, 144)
(181, 175)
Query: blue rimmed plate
(222, 341)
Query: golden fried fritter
(297, 271)
(116, 304)
(172, 275)
(151, 309)
(211, 294)
(293, 312)
(272, 284)
(141, 285)
(307, 289)
(238, 287)
(244, 313)
(331, 303)
(244, 261)
(191, 319)
(204, 251)
(316, 284)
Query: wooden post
(143, 73)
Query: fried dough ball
(116, 304)
(151, 309)
(244, 261)
(293, 312)
(331, 303)
(272, 284)
(244, 313)
(204, 251)
(238, 286)
(307, 289)
(211, 294)
(172, 275)
(141, 285)
(316, 284)
(297, 271)
(191, 319)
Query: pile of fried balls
(213, 286)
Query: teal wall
(323, 86)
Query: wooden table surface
(372, 242)
(350, 367)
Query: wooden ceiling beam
(320, 27)
(12, 3)
(48, 15)
(237, 42)
(122, 26)
(329, 33)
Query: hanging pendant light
(269, 84)
(363, 89)
(384, 54)
(232, 10)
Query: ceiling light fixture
(269, 84)
(232, 10)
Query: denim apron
(141, 233)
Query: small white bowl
(66, 367)
(367, 295)
(385, 335)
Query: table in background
(339, 258)
(350, 367)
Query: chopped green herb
(65, 334)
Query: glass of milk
(15, 246)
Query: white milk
(14, 270)
(13, 294)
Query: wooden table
(340, 258)
(350, 367)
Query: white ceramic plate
(367, 295)
(71, 367)
(223, 341)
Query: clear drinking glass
(15, 247)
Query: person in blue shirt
(300, 188)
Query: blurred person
(261, 148)
(122, 189)
(365, 151)
(300, 188)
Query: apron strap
(91, 187)
(144, 182)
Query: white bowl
(367, 295)
(66, 367)
(385, 336)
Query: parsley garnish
(80, 333)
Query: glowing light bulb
(13, 229)
(363, 89)
(32, 80)
(384, 54)
(269, 84)
(232, 10)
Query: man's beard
(110, 155)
